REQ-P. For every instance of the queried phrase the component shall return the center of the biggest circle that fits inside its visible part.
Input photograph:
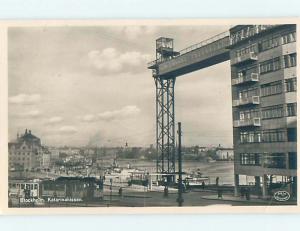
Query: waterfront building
(264, 106)
(25, 153)
(224, 153)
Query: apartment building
(264, 106)
(25, 153)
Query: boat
(196, 179)
(122, 175)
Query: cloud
(124, 112)
(111, 61)
(25, 99)
(89, 118)
(55, 119)
(135, 32)
(67, 130)
(32, 113)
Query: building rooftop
(27, 137)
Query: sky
(82, 86)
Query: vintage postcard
(149, 115)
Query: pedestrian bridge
(201, 55)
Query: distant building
(89, 152)
(25, 153)
(46, 159)
(224, 153)
(203, 149)
(54, 152)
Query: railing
(193, 47)
(253, 77)
(247, 122)
(245, 101)
(248, 31)
(205, 42)
(245, 57)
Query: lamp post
(180, 198)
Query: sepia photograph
(152, 115)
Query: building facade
(224, 153)
(264, 106)
(25, 153)
(46, 159)
(54, 154)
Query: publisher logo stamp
(282, 196)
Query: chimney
(18, 135)
(29, 131)
(26, 131)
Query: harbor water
(222, 169)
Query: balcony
(253, 122)
(251, 56)
(253, 77)
(246, 101)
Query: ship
(196, 179)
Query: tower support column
(165, 126)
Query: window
(244, 71)
(272, 112)
(265, 67)
(292, 160)
(246, 50)
(290, 85)
(243, 94)
(250, 159)
(292, 134)
(275, 160)
(288, 38)
(269, 43)
(270, 65)
(291, 109)
(271, 88)
(290, 60)
(274, 135)
(248, 114)
(250, 137)
(276, 64)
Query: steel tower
(165, 114)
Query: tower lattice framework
(165, 114)
(165, 126)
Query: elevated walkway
(204, 54)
